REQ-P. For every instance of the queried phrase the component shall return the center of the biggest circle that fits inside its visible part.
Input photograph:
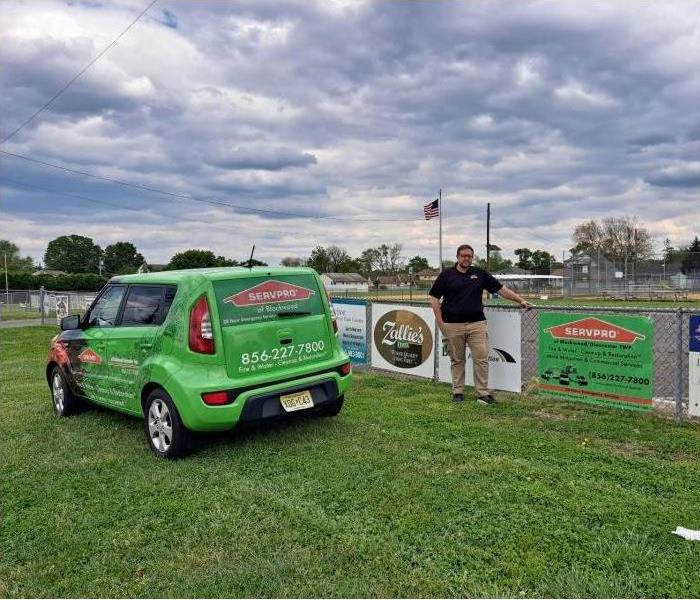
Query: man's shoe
(457, 397)
(487, 400)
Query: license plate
(297, 401)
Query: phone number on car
(252, 358)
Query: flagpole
(436, 345)
(440, 243)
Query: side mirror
(70, 322)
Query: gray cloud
(553, 112)
(263, 158)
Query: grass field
(11, 314)
(402, 494)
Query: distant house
(151, 268)
(399, 280)
(586, 273)
(335, 282)
(427, 275)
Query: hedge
(85, 282)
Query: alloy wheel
(160, 425)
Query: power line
(202, 200)
(65, 87)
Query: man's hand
(525, 304)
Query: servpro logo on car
(595, 330)
(269, 292)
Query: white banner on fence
(505, 367)
(402, 339)
(352, 329)
(694, 367)
(61, 308)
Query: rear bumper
(250, 403)
(268, 406)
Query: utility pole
(7, 286)
(488, 234)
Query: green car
(202, 350)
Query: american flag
(431, 210)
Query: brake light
(345, 369)
(215, 398)
(201, 335)
(334, 318)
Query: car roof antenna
(250, 260)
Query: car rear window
(266, 298)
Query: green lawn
(402, 494)
(9, 313)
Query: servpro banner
(602, 359)
(402, 339)
(504, 353)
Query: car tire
(331, 409)
(166, 434)
(65, 402)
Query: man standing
(460, 317)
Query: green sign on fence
(604, 359)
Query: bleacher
(645, 292)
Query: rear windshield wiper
(282, 315)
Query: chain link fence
(670, 347)
(42, 304)
(670, 353)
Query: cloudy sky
(291, 124)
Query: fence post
(41, 303)
(679, 369)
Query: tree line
(77, 254)
(615, 238)
(623, 239)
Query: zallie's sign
(403, 339)
(600, 359)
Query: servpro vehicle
(202, 350)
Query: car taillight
(215, 398)
(334, 318)
(345, 369)
(201, 336)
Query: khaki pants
(474, 335)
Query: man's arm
(435, 303)
(509, 294)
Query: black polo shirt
(462, 293)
